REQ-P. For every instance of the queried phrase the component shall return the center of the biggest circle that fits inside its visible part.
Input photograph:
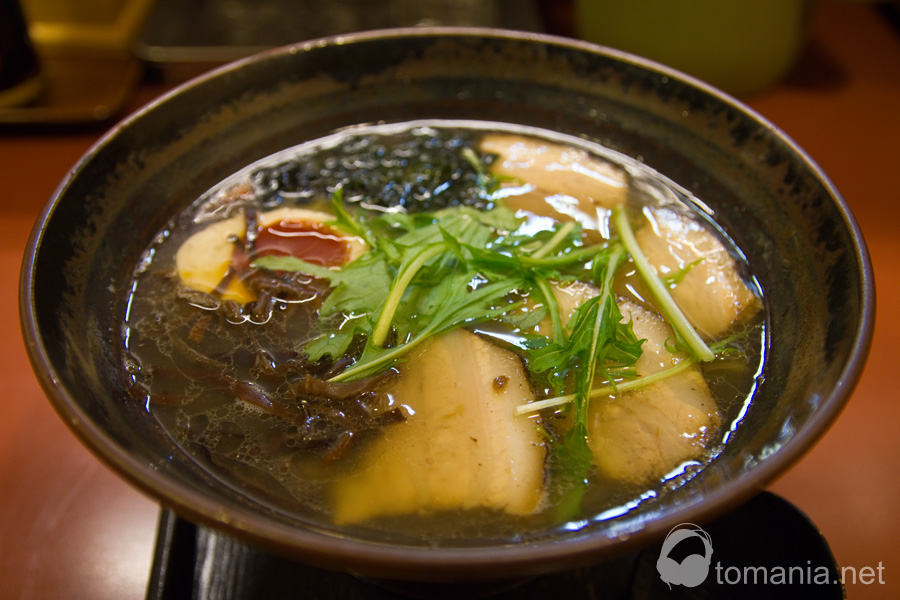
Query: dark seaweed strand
(422, 173)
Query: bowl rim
(408, 562)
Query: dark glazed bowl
(800, 238)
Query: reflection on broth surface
(445, 330)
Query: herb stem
(474, 161)
(554, 241)
(574, 256)
(406, 275)
(666, 303)
(552, 307)
(602, 313)
(608, 390)
(345, 221)
(387, 358)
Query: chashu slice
(712, 295)
(645, 434)
(559, 182)
(461, 447)
(203, 260)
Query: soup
(445, 330)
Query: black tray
(766, 541)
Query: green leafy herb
(417, 281)
(413, 262)
(346, 222)
(675, 277)
(596, 336)
(451, 304)
(487, 181)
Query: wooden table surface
(71, 529)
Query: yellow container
(97, 27)
(740, 46)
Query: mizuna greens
(429, 273)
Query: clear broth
(183, 355)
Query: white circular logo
(693, 570)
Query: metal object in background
(183, 38)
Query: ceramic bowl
(798, 234)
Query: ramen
(443, 330)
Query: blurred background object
(99, 27)
(740, 46)
(92, 54)
(85, 49)
(20, 81)
(182, 38)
